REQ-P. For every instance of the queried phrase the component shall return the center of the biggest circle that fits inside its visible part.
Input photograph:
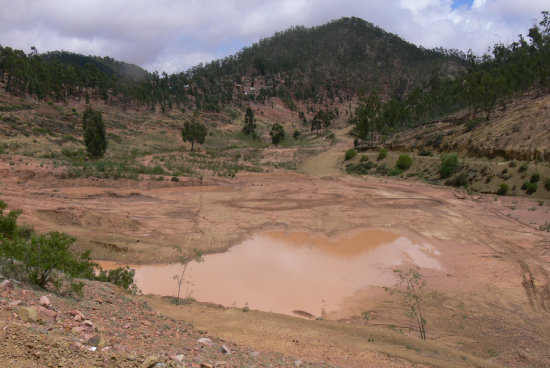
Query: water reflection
(283, 272)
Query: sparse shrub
(541, 203)
(362, 168)
(535, 178)
(545, 226)
(529, 187)
(523, 167)
(395, 171)
(503, 189)
(121, 276)
(381, 170)
(382, 154)
(175, 179)
(425, 152)
(404, 162)
(459, 180)
(547, 184)
(364, 158)
(513, 164)
(351, 153)
(296, 135)
(472, 124)
(449, 165)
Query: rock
(77, 318)
(75, 313)
(44, 301)
(178, 358)
(255, 354)
(205, 341)
(78, 330)
(7, 285)
(221, 364)
(15, 303)
(225, 350)
(46, 314)
(88, 323)
(126, 326)
(97, 340)
(298, 363)
(160, 365)
(150, 361)
(28, 314)
(206, 365)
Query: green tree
(404, 162)
(95, 137)
(367, 112)
(277, 133)
(449, 165)
(249, 127)
(193, 132)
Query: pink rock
(88, 323)
(7, 284)
(77, 318)
(44, 301)
(47, 314)
(15, 303)
(75, 313)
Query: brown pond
(284, 272)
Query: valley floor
(490, 301)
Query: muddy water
(284, 272)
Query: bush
(523, 167)
(95, 137)
(503, 189)
(277, 133)
(364, 158)
(362, 168)
(404, 162)
(459, 180)
(45, 260)
(296, 135)
(547, 184)
(535, 178)
(449, 165)
(122, 277)
(529, 187)
(382, 154)
(395, 171)
(351, 153)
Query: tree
(95, 137)
(411, 285)
(277, 133)
(367, 112)
(193, 132)
(249, 127)
(185, 260)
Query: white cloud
(174, 35)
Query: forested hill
(348, 55)
(330, 62)
(105, 65)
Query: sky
(174, 35)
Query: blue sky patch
(460, 3)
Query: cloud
(174, 35)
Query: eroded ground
(491, 298)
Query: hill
(333, 62)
